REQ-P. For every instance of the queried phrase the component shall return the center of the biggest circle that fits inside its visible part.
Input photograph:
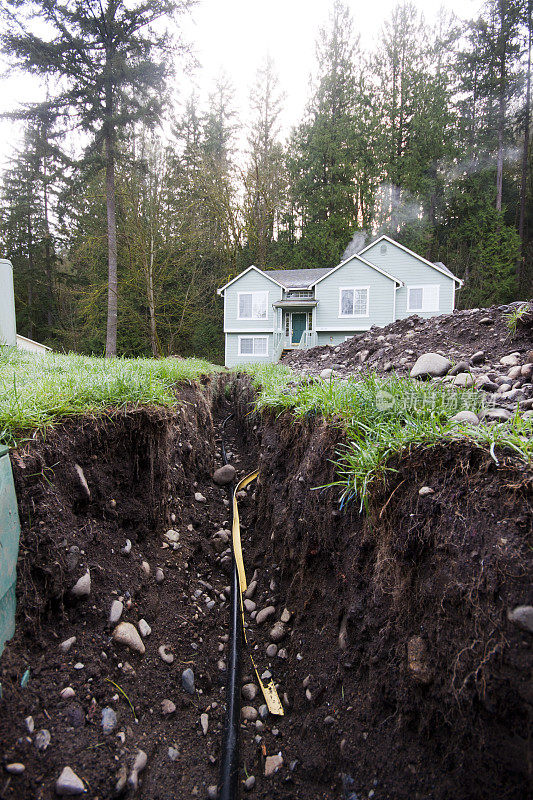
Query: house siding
(353, 273)
(332, 338)
(412, 272)
(251, 282)
(233, 358)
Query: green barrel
(9, 548)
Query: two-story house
(269, 311)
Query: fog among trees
(120, 248)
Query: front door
(299, 321)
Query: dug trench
(387, 631)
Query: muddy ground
(400, 673)
(395, 347)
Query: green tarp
(9, 547)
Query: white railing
(309, 339)
(278, 344)
(281, 341)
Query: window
(309, 320)
(305, 293)
(253, 305)
(423, 298)
(253, 345)
(353, 301)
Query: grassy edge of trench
(382, 416)
(386, 416)
(36, 391)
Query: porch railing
(278, 344)
(309, 339)
(281, 341)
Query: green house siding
(333, 338)
(383, 273)
(252, 281)
(354, 273)
(233, 358)
(413, 272)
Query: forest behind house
(426, 138)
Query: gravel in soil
(399, 670)
(395, 347)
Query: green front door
(299, 322)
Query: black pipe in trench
(229, 765)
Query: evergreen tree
(323, 149)
(112, 61)
(265, 177)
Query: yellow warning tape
(269, 690)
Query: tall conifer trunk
(525, 152)
(112, 288)
(501, 108)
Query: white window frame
(353, 289)
(265, 294)
(253, 354)
(423, 286)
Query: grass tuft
(36, 391)
(384, 417)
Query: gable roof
(256, 269)
(367, 263)
(438, 265)
(297, 278)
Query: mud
(395, 347)
(403, 676)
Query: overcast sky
(234, 36)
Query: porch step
(285, 351)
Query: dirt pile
(387, 632)
(475, 338)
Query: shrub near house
(269, 311)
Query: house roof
(367, 263)
(444, 268)
(256, 269)
(309, 303)
(438, 265)
(297, 278)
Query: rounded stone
(82, 587)
(109, 720)
(249, 783)
(264, 614)
(278, 632)
(126, 633)
(522, 616)
(68, 784)
(466, 416)
(115, 613)
(187, 680)
(167, 707)
(224, 475)
(431, 365)
(249, 691)
(249, 713)
(15, 769)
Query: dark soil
(360, 587)
(397, 346)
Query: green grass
(384, 417)
(514, 317)
(36, 391)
